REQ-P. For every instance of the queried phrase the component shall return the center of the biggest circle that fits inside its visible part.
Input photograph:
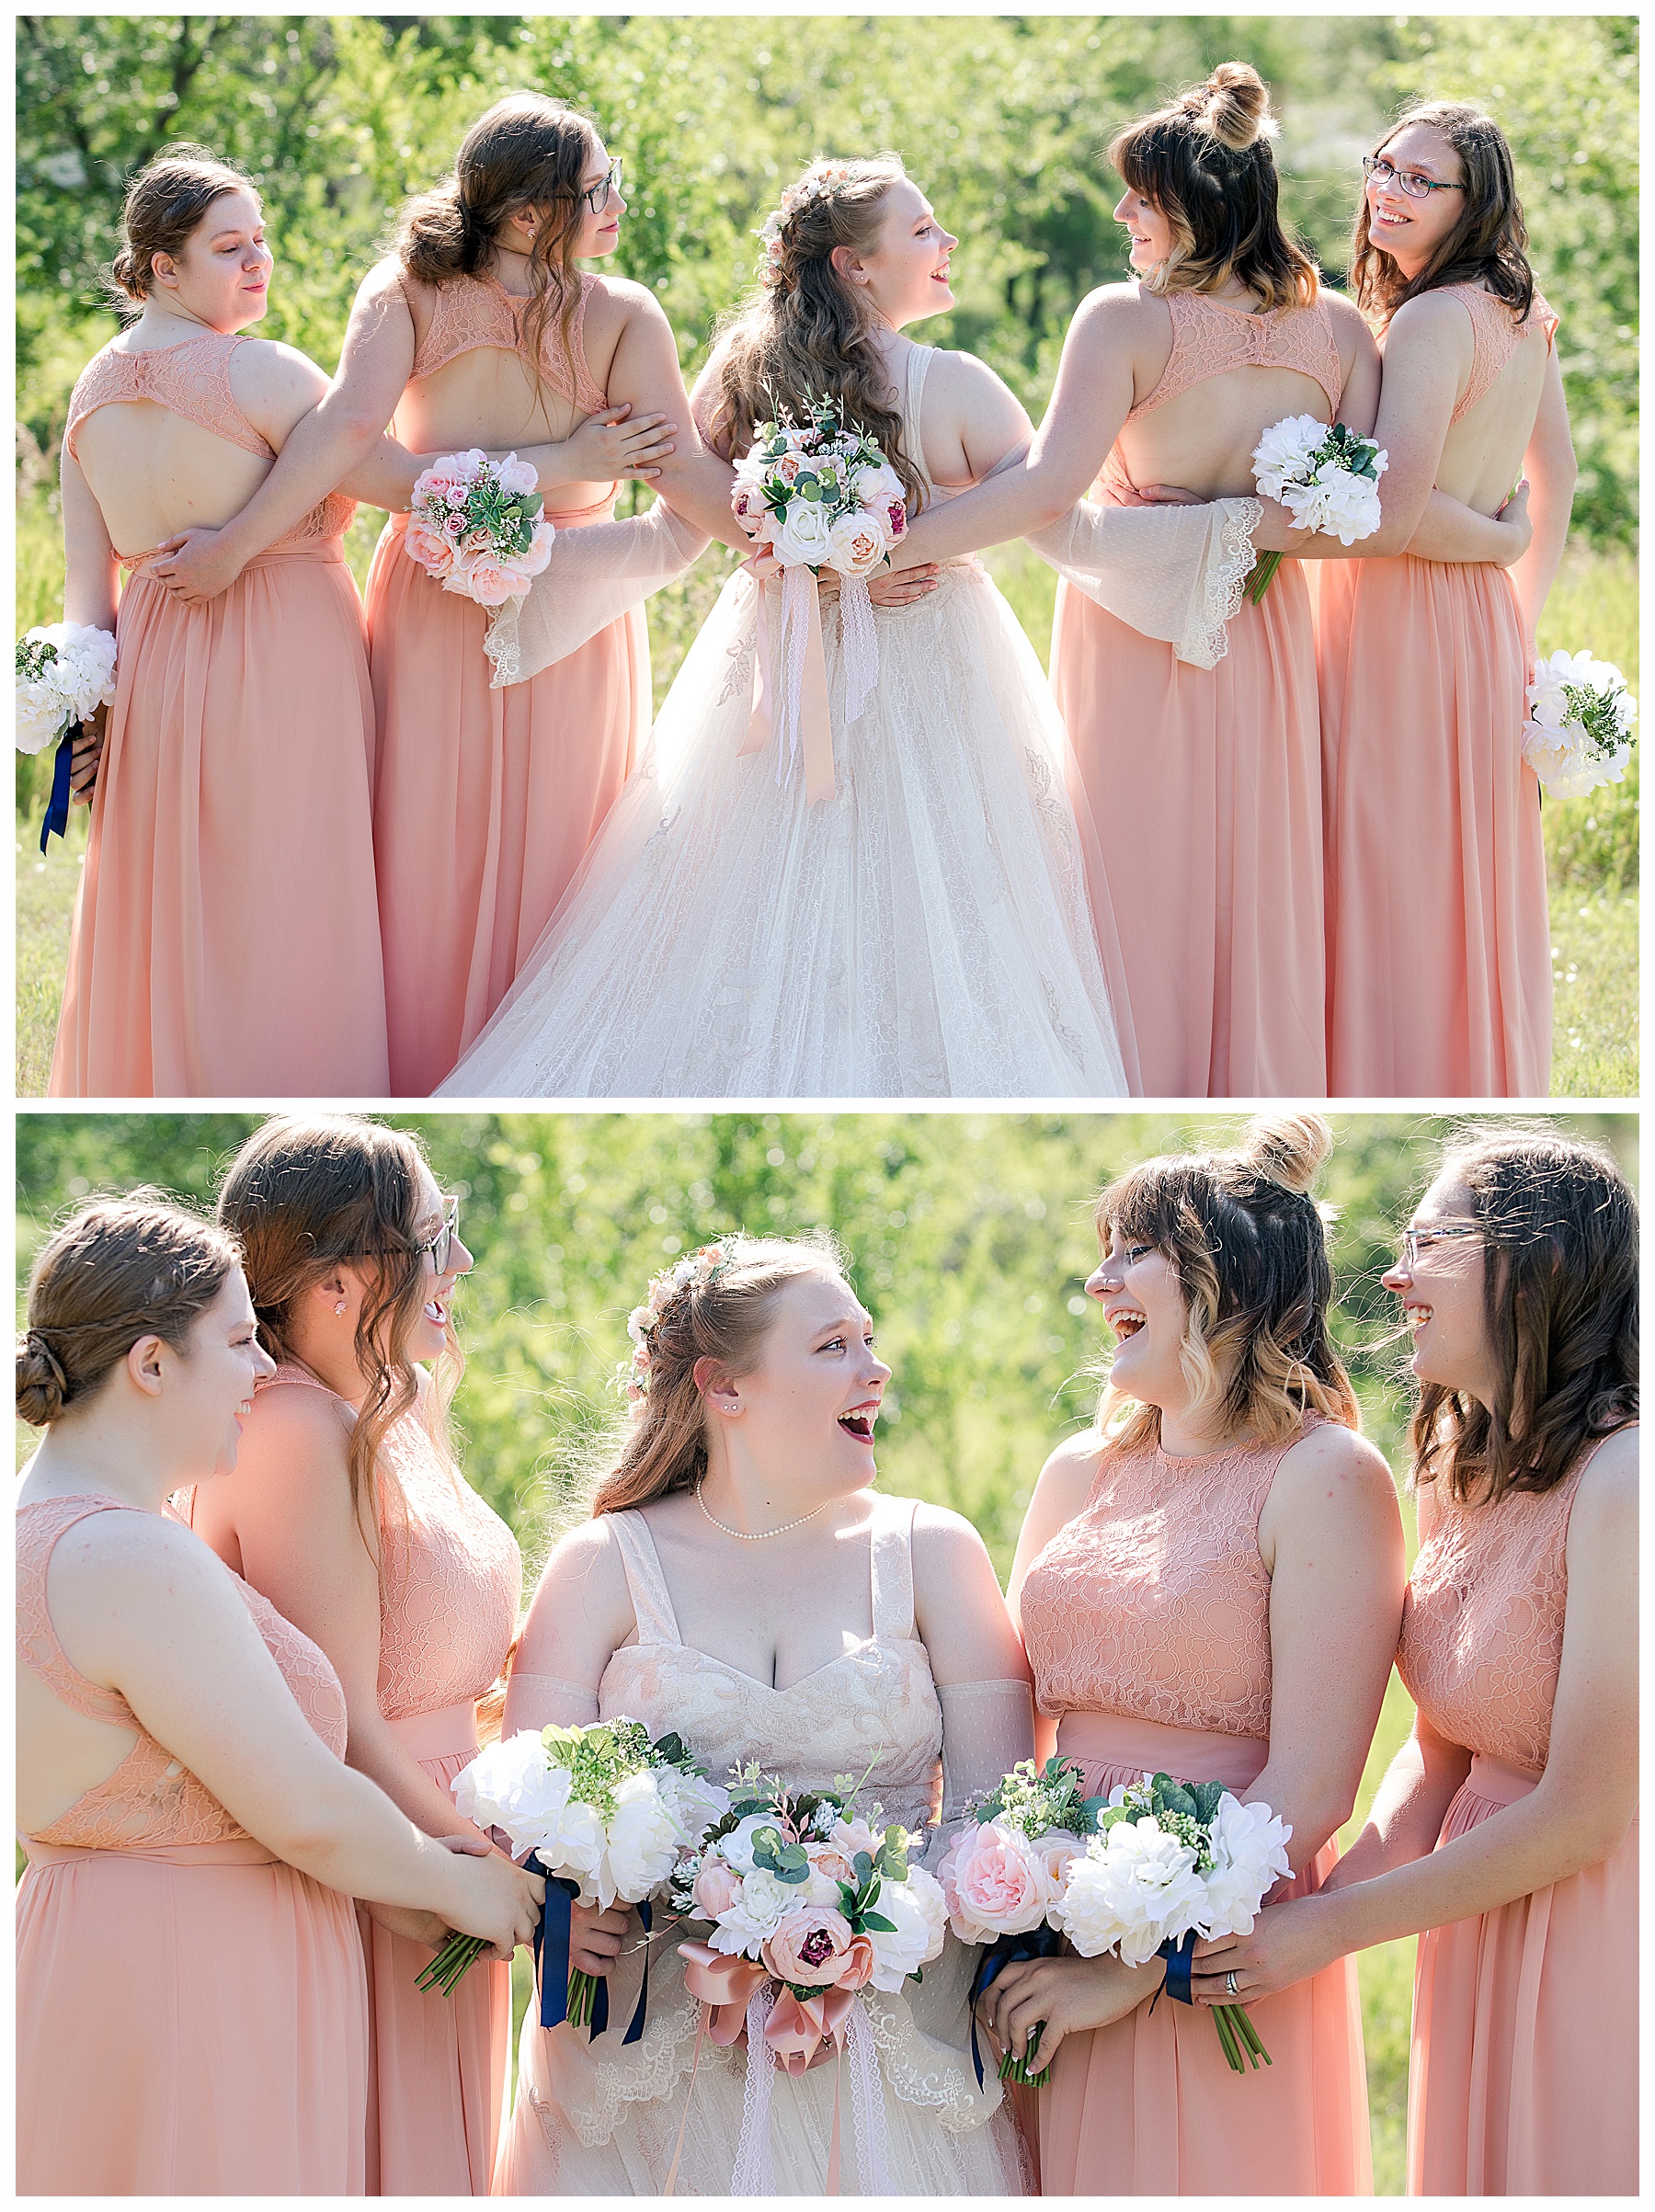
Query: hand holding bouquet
(1326, 476)
(606, 1814)
(475, 526)
(65, 672)
(1578, 733)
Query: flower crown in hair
(694, 1272)
(820, 183)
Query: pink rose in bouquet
(429, 547)
(816, 1948)
(992, 1884)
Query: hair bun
(42, 1387)
(1289, 1148)
(1234, 105)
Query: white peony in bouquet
(1578, 733)
(65, 672)
(1172, 1861)
(474, 524)
(1325, 476)
(606, 1814)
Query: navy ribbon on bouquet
(1179, 1957)
(1006, 1951)
(57, 807)
(552, 1960)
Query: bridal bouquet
(818, 496)
(65, 672)
(1326, 476)
(606, 1814)
(1003, 1878)
(1171, 1861)
(475, 525)
(1578, 733)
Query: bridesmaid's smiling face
(222, 275)
(1442, 1290)
(428, 1337)
(1410, 230)
(804, 1414)
(1149, 232)
(1143, 1302)
(207, 1394)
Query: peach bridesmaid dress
(451, 1583)
(191, 2014)
(1204, 785)
(1146, 1623)
(484, 801)
(1522, 2079)
(1439, 936)
(226, 933)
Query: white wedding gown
(925, 932)
(601, 2118)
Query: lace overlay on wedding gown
(595, 2117)
(925, 932)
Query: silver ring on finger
(1230, 1982)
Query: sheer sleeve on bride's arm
(594, 576)
(542, 1701)
(986, 1728)
(1175, 573)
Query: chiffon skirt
(227, 937)
(1439, 948)
(1148, 2106)
(1523, 2079)
(190, 2022)
(1203, 790)
(484, 801)
(438, 2065)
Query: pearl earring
(340, 1308)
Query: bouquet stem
(1016, 2070)
(583, 1990)
(451, 1963)
(1243, 2046)
(1268, 565)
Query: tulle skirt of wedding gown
(925, 932)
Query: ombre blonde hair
(1245, 1237)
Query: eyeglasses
(442, 1244)
(1414, 182)
(1415, 1241)
(596, 196)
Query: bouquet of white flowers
(605, 1814)
(65, 672)
(1172, 1861)
(1578, 733)
(1325, 476)
(474, 524)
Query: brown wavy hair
(1559, 1228)
(664, 1446)
(1487, 245)
(303, 1195)
(1247, 1239)
(1204, 162)
(166, 202)
(118, 1270)
(808, 334)
(527, 151)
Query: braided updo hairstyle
(1204, 162)
(122, 1269)
(166, 202)
(1247, 1239)
(808, 333)
(721, 1315)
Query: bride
(739, 1582)
(925, 930)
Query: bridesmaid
(191, 2016)
(1506, 1831)
(1210, 1585)
(481, 331)
(1439, 950)
(225, 935)
(347, 1512)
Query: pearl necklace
(764, 1535)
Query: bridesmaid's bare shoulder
(1067, 1479)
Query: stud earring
(340, 1308)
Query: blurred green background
(1003, 119)
(969, 1238)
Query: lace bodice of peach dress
(875, 1705)
(452, 1575)
(151, 1800)
(1153, 1602)
(469, 311)
(1496, 335)
(193, 380)
(1482, 1629)
(1209, 338)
